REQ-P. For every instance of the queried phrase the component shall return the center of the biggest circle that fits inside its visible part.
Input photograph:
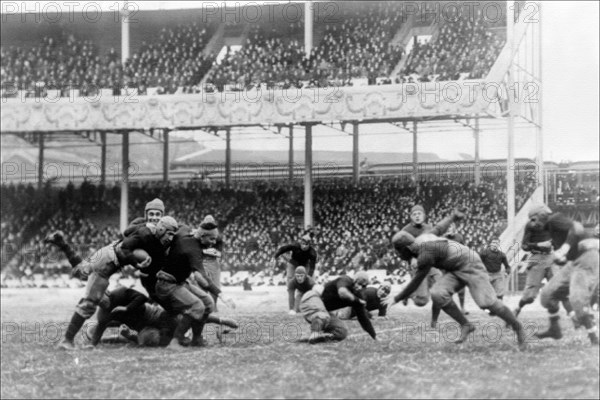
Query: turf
(265, 358)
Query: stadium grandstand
(361, 69)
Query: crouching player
(301, 284)
(339, 293)
(98, 268)
(577, 280)
(462, 267)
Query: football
(139, 255)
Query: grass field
(265, 359)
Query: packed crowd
(358, 47)
(352, 230)
(463, 49)
(64, 62)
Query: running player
(577, 280)
(415, 228)
(462, 267)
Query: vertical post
(510, 173)
(124, 181)
(103, 158)
(540, 106)
(228, 157)
(308, 200)
(415, 154)
(40, 160)
(291, 155)
(477, 160)
(555, 187)
(308, 27)
(124, 33)
(355, 169)
(166, 156)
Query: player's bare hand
(144, 264)
(228, 302)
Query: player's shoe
(127, 333)
(66, 344)
(56, 238)
(465, 331)
(553, 331)
(291, 312)
(433, 324)
(521, 338)
(198, 342)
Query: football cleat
(465, 330)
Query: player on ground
(577, 280)
(339, 293)
(303, 254)
(130, 307)
(98, 268)
(537, 240)
(462, 267)
(415, 228)
(299, 285)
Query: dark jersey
(185, 257)
(333, 301)
(493, 260)
(142, 237)
(563, 229)
(133, 225)
(373, 301)
(533, 235)
(307, 259)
